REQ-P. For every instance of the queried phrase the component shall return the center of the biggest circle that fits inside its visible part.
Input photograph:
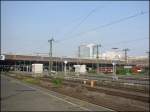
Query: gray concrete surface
(18, 96)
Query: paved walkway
(18, 96)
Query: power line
(82, 21)
(122, 42)
(109, 24)
(120, 20)
(77, 19)
(133, 49)
(68, 24)
(127, 41)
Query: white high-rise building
(87, 50)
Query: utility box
(77, 68)
(80, 69)
(37, 68)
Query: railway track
(115, 84)
(114, 92)
(130, 102)
(125, 78)
(134, 94)
(140, 81)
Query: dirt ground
(102, 99)
(113, 102)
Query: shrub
(123, 71)
(120, 71)
(92, 71)
(57, 82)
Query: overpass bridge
(58, 62)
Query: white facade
(80, 69)
(137, 57)
(37, 68)
(87, 50)
(110, 55)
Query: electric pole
(147, 57)
(147, 52)
(78, 55)
(114, 63)
(97, 46)
(79, 52)
(125, 53)
(50, 55)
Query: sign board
(127, 66)
(2, 57)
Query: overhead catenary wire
(120, 20)
(127, 41)
(109, 24)
(81, 22)
(68, 24)
(106, 25)
(108, 46)
(82, 18)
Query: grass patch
(57, 82)
(31, 80)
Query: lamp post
(114, 70)
(62, 64)
(65, 66)
(114, 62)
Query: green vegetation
(92, 71)
(57, 82)
(145, 71)
(32, 80)
(122, 71)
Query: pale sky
(26, 26)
